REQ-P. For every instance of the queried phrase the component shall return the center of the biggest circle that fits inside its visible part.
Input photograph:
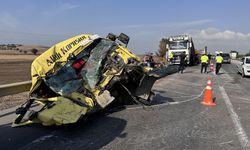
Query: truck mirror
(190, 44)
(167, 46)
(111, 36)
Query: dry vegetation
(18, 49)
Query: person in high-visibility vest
(171, 56)
(218, 60)
(204, 63)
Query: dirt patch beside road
(13, 100)
(17, 71)
(14, 58)
(15, 68)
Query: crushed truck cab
(83, 75)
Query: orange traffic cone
(208, 95)
(209, 81)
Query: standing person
(171, 56)
(204, 63)
(182, 62)
(209, 58)
(151, 60)
(218, 60)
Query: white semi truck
(179, 44)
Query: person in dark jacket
(182, 62)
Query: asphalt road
(177, 120)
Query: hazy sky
(219, 24)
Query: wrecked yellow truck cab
(83, 75)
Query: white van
(244, 66)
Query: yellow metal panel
(56, 55)
(63, 112)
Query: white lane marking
(244, 141)
(226, 142)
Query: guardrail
(14, 88)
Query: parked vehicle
(226, 58)
(244, 67)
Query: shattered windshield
(81, 70)
(91, 70)
(178, 45)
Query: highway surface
(176, 120)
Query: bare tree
(162, 48)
